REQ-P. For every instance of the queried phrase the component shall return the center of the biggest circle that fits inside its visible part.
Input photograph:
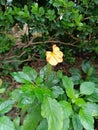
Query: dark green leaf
(43, 125)
(85, 66)
(93, 97)
(76, 122)
(57, 91)
(32, 119)
(76, 75)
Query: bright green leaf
(67, 111)
(68, 85)
(21, 77)
(30, 72)
(6, 123)
(80, 102)
(86, 119)
(67, 108)
(52, 111)
(6, 106)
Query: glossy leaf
(30, 72)
(21, 77)
(27, 75)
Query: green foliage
(50, 109)
(51, 100)
(88, 73)
(6, 123)
(58, 103)
(6, 106)
(70, 22)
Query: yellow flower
(54, 57)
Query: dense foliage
(69, 22)
(48, 100)
(51, 100)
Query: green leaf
(67, 111)
(57, 91)
(2, 90)
(6, 123)
(59, 74)
(43, 125)
(43, 72)
(80, 102)
(30, 72)
(21, 77)
(87, 88)
(76, 75)
(93, 97)
(85, 66)
(76, 122)
(67, 108)
(34, 9)
(86, 119)
(41, 92)
(50, 14)
(27, 75)
(68, 84)
(6, 106)
(32, 119)
(16, 122)
(92, 108)
(52, 110)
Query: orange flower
(54, 57)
